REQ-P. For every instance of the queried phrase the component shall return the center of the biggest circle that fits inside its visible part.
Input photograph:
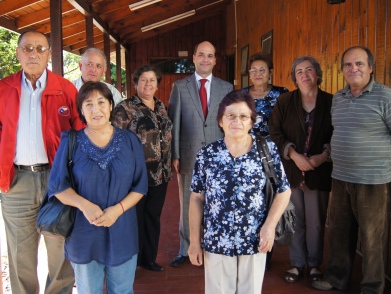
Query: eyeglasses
(29, 48)
(231, 116)
(254, 71)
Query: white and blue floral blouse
(264, 107)
(234, 207)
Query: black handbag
(54, 218)
(285, 226)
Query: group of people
(126, 151)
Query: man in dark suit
(193, 109)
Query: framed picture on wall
(244, 82)
(267, 42)
(243, 65)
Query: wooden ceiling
(111, 16)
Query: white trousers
(237, 275)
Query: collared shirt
(116, 94)
(234, 207)
(153, 127)
(361, 141)
(30, 147)
(207, 84)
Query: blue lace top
(234, 207)
(264, 107)
(104, 176)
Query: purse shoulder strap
(266, 159)
(268, 167)
(72, 137)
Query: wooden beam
(89, 31)
(106, 46)
(12, 5)
(68, 20)
(40, 16)
(56, 36)
(83, 44)
(68, 41)
(128, 73)
(85, 9)
(118, 64)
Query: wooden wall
(313, 27)
(309, 27)
(185, 38)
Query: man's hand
(176, 165)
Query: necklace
(241, 150)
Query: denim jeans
(119, 279)
(357, 210)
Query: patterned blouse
(153, 127)
(234, 207)
(264, 107)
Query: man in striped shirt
(361, 154)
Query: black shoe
(179, 260)
(153, 266)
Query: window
(174, 65)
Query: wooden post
(56, 36)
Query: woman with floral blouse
(264, 94)
(265, 97)
(229, 226)
(146, 115)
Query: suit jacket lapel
(194, 95)
(213, 101)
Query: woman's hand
(302, 161)
(109, 216)
(266, 239)
(195, 253)
(91, 211)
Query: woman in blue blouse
(264, 94)
(227, 199)
(110, 176)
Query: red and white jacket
(59, 113)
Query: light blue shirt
(30, 147)
(116, 94)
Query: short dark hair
(139, 71)
(236, 96)
(262, 57)
(313, 62)
(85, 92)
(371, 60)
(33, 31)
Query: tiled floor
(189, 279)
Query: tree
(71, 66)
(8, 61)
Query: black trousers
(149, 210)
